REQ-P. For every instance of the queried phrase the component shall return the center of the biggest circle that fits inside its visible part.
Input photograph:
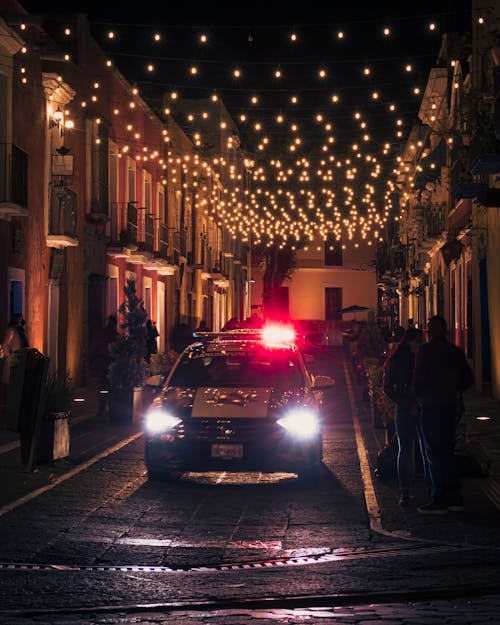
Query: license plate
(227, 451)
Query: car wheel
(161, 473)
(159, 470)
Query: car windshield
(262, 368)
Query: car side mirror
(322, 382)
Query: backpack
(386, 464)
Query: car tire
(159, 473)
(159, 470)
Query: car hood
(231, 402)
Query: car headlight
(160, 420)
(302, 422)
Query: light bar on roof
(277, 334)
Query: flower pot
(53, 442)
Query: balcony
(13, 181)
(150, 227)
(462, 184)
(130, 233)
(180, 242)
(163, 241)
(62, 218)
(433, 222)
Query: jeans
(408, 430)
(439, 425)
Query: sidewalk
(90, 434)
(482, 423)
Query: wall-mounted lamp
(56, 118)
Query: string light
(328, 189)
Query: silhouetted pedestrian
(442, 374)
(15, 338)
(397, 383)
(151, 335)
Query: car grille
(242, 430)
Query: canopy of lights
(322, 111)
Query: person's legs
(405, 431)
(434, 431)
(424, 453)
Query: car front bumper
(227, 447)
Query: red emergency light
(277, 334)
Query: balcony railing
(13, 179)
(434, 220)
(132, 224)
(391, 261)
(163, 241)
(149, 233)
(180, 242)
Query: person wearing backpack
(397, 385)
(442, 374)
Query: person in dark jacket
(442, 374)
(397, 381)
(151, 335)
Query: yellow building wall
(307, 291)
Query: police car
(237, 401)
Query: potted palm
(127, 371)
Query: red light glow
(277, 334)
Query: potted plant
(127, 371)
(57, 397)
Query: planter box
(53, 443)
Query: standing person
(15, 338)
(442, 374)
(397, 383)
(99, 357)
(151, 336)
